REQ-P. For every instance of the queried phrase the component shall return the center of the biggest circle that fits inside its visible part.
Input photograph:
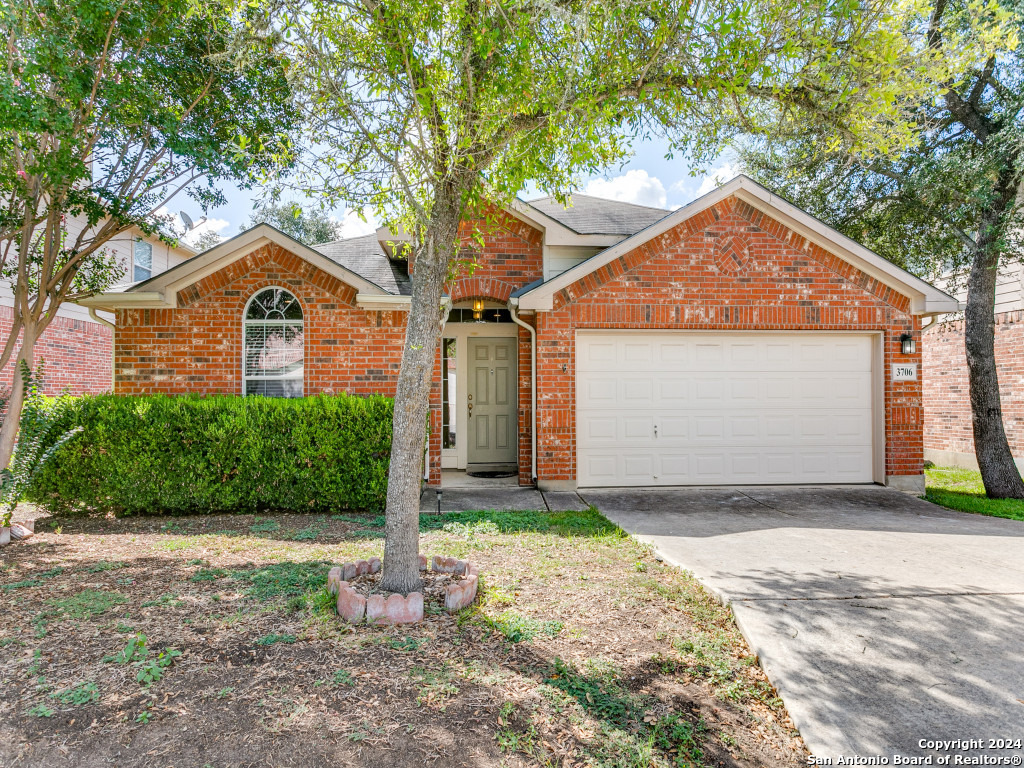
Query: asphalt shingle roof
(598, 216)
(365, 256)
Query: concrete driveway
(881, 619)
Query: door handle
(655, 430)
(471, 410)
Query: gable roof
(366, 257)
(161, 291)
(925, 298)
(588, 215)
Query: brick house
(736, 340)
(77, 349)
(948, 430)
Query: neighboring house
(77, 348)
(736, 340)
(948, 426)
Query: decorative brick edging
(462, 593)
(395, 609)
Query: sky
(646, 178)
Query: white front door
(675, 408)
(491, 409)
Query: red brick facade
(76, 356)
(198, 347)
(727, 268)
(512, 256)
(947, 415)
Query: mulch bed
(433, 585)
(582, 650)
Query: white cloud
(716, 177)
(217, 226)
(634, 186)
(351, 225)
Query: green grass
(587, 523)
(518, 628)
(963, 490)
(287, 579)
(208, 574)
(271, 639)
(87, 603)
(104, 565)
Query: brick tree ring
(396, 609)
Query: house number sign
(904, 371)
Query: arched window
(272, 357)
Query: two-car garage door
(674, 408)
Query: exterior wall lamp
(907, 344)
(478, 309)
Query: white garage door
(706, 408)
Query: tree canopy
(309, 226)
(401, 95)
(431, 112)
(109, 110)
(949, 205)
(920, 207)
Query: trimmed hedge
(192, 454)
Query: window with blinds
(273, 345)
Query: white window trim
(282, 323)
(152, 252)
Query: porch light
(478, 308)
(907, 344)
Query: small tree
(207, 240)
(37, 441)
(949, 204)
(109, 110)
(306, 226)
(429, 111)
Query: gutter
(512, 305)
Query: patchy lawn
(211, 641)
(962, 489)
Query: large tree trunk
(9, 429)
(998, 470)
(412, 397)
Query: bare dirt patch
(210, 640)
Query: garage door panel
(637, 428)
(637, 391)
(675, 468)
(598, 391)
(674, 357)
(677, 409)
(744, 427)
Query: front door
(491, 395)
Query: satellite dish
(189, 226)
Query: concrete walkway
(881, 619)
(502, 498)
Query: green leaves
(39, 439)
(137, 652)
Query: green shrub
(191, 454)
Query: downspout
(512, 304)
(113, 344)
